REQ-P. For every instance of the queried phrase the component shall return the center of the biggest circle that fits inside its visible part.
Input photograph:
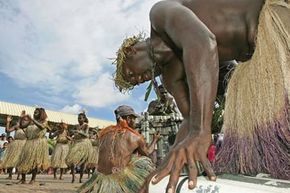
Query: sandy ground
(43, 184)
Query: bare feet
(32, 182)
(21, 182)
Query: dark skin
(37, 120)
(10, 129)
(84, 128)
(124, 148)
(23, 123)
(62, 129)
(188, 49)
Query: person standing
(81, 148)
(61, 149)
(15, 147)
(35, 155)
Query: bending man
(189, 40)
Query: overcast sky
(57, 54)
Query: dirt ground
(43, 184)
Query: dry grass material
(122, 54)
(128, 180)
(256, 118)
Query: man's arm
(145, 150)
(200, 62)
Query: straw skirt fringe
(34, 155)
(59, 155)
(79, 152)
(256, 118)
(128, 180)
(12, 154)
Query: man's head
(126, 113)
(163, 92)
(133, 63)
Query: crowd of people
(120, 147)
(123, 151)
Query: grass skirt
(128, 180)
(79, 152)
(59, 155)
(94, 157)
(256, 119)
(12, 154)
(34, 155)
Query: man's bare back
(236, 30)
(116, 150)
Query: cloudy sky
(58, 53)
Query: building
(53, 116)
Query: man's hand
(156, 136)
(187, 151)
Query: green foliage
(51, 143)
(217, 118)
(148, 91)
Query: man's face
(137, 68)
(131, 121)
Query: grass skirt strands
(256, 119)
(12, 154)
(35, 151)
(129, 180)
(94, 155)
(122, 54)
(59, 155)
(79, 152)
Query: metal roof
(53, 116)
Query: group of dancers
(29, 151)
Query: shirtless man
(189, 39)
(120, 166)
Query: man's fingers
(174, 175)
(192, 169)
(164, 170)
(208, 168)
(192, 173)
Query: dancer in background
(61, 149)
(13, 152)
(81, 148)
(34, 156)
